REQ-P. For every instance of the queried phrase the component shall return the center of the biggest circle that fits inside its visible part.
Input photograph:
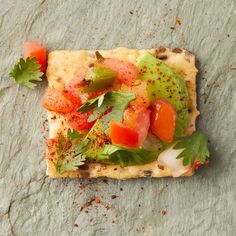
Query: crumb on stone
(177, 21)
(163, 212)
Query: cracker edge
(95, 170)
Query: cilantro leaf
(116, 154)
(73, 135)
(110, 106)
(194, 146)
(99, 78)
(92, 103)
(70, 152)
(25, 71)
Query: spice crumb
(105, 181)
(76, 225)
(91, 219)
(121, 189)
(87, 204)
(97, 200)
(82, 186)
(177, 21)
(113, 222)
(131, 12)
(113, 196)
(163, 212)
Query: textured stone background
(33, 204)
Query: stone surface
(33, 204)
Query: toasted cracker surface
(62, 66)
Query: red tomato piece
(53, 100)
(79, 121)
(122, 134)
(163, 118)
(138, 117)
(73, 87)
(77, 81)
(69, 95)
(127, 72)
(35, 49)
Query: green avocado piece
(163, 82)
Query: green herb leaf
(112, 100)
(91, 104)
(70, 152)
(115, 154)
(99, 78)
(111, 106)
(195, 146)
(73, 135)
(25, 71)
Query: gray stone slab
(32, 204)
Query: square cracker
(62, 65)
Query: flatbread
(62, 66)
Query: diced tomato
(79, 121)
(138, 117)
(35, 49)
(163, 118)
(122, 134)
(69, 95)
(127, 73)
(77, 81)
(53, 100)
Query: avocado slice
(165, 83)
